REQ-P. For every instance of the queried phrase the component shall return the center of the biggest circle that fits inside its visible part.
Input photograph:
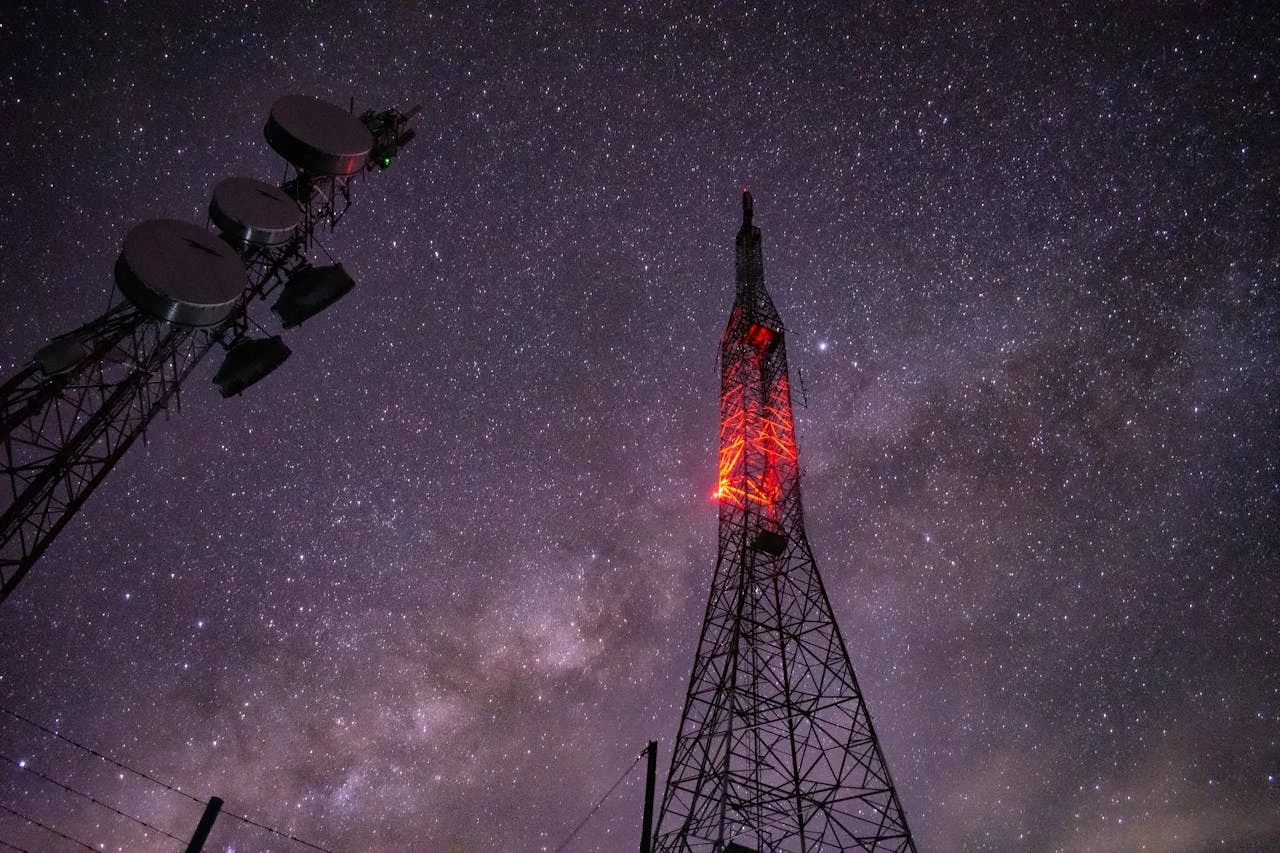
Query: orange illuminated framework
(757, 437)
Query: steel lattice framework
(776, 750)
(68, 416)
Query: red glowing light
(757, 438)
(760, 337)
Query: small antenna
(804, 394)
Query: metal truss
(78, 425)
(70, 414)
(776, 751)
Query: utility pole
(650, 782)
(201, 835)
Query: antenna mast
(70, 414)
(776, 751)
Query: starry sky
(434, 583)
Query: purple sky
(434, 583)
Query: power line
(47, 828)
(27, 769)
(13, 846)
(600, 802)
(155, 781)
(278, 832)
(97, 754)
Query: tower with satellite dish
(775, 750)
(182, 291)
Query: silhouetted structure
(69, 415)
(776, 751)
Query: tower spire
(749, 250)
(775, 750)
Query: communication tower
(181, 291)
(775, 751)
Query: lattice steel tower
(776, 751)
(70, 413)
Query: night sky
(434, 583)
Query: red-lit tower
(776, 751)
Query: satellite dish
(180, 272)
(61, 355)
(250, 211)
(316, 136)
(309, 291)
(248, 361)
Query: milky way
(435, 583)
